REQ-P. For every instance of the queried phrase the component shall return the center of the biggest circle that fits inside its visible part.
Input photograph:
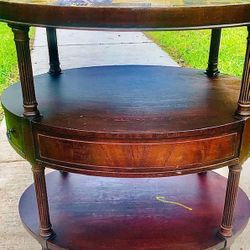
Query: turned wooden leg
(21, 37)
(42, 202)
(230, 200)
(53, 52)
(244, 99)
(212, 69)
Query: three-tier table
(99, 124)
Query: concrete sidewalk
(76, 49)
(89, 48)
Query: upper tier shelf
(126, 100)
(127, 14)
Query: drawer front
(14, 131)
(138, 155)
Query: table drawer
(138, 155)
(14, 131)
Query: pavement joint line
(94, 44)
(12, 161)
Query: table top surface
(149, 100)
(127, 14)
(131, 3)
(131, 120)
(140, 212)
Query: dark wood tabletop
(127, 14)
(131, 120)
(129, 3)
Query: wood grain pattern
(93, 213)
(130, 156)
(244, 99)
(15, 132)
(21, 38)
(131, 120)
(128, 18)
(133, 102)
(42, 202)
(226, 229)
(130, 3)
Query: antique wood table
(130, 121)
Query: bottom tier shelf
(95, 213)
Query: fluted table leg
(244, 99)
(230, 201)
(42, 202)
(21, 37)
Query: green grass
(190, 48)
(8, 61)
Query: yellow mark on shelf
(163, 199)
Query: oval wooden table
(130, 121)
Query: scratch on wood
(163, 199)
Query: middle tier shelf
(131, 120)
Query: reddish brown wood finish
(21, 38)
(14, 132)
(174, 155)
(140, 18)
(93, 213)
(129, 121)
(230, 201)
(42, 202)
(244, 99)
(95, 121)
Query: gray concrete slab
(90, 48)
(77, 48)
(14, 179)
(7, 153)
(81, 37)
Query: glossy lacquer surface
(132, 99)
(94, 213)
(131, 3)
(132, 120)
(127, 14)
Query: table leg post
(244, 99)
(42, 202)
(53, 51)
(212, 69)
(230, 200)
(21, 38)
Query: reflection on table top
(131, 3)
